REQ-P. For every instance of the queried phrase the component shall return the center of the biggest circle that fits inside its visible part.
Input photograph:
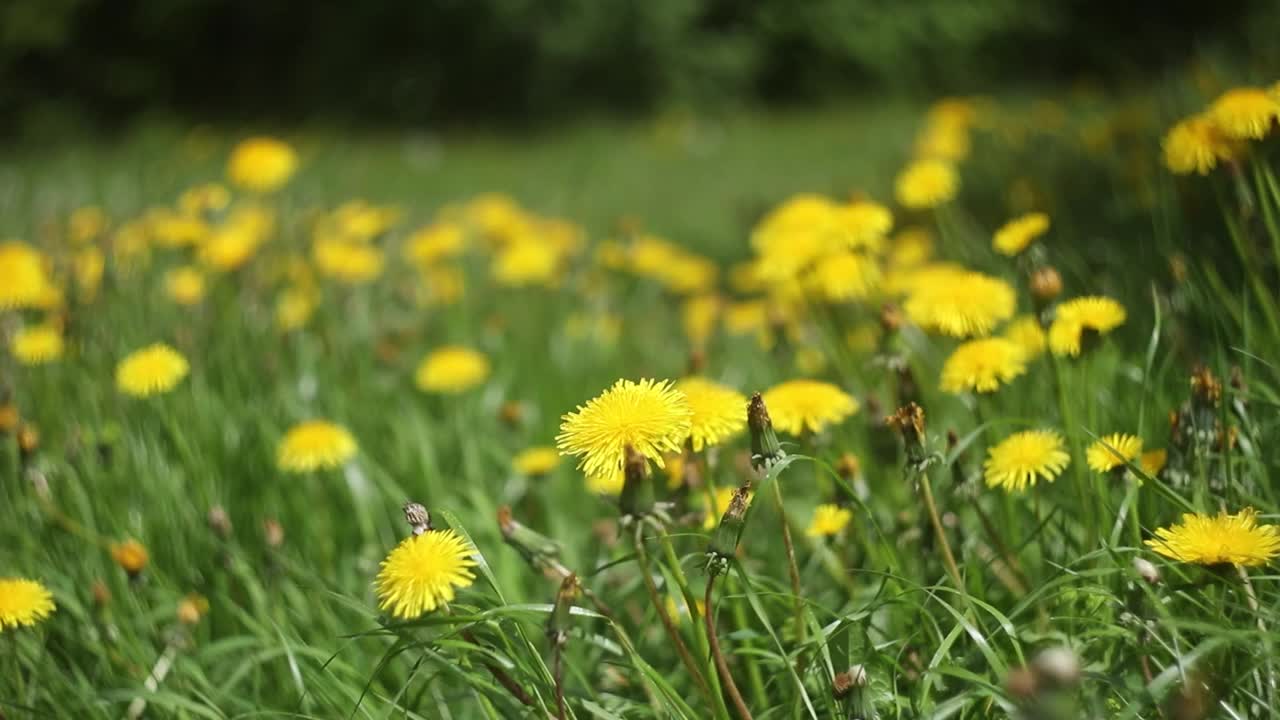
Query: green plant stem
(792, 568)
(754, 676)
(926, 493)
(704, 647)
(725, 676)
(1068, 426)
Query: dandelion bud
(637, 498)
(1058, 666)
(131, 556)
(765, 448)
(848, 467)
(219, 521)
(558, 621)
(909, 421)
(511, 414)
(273, 533)
(890, 317)
(8, 418)
(1046, 286)
(101, 594)
(417, 516)
(28, 441)
(845, 682)
(724, 542)
(539, 551)
(1020, 683)
(1146, 570)
(191, 608)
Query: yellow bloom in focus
(828, 520)
(23, 602)
(650, 416)
(526, 262)
(797, 406)
(1022, 459)
(721, 498)
(261, 164)
(982, 366)
(315, 445)
(435, 242)
(23, 280)
(351, 262)
(1113, 451)
(1025, 332)
(294, 307)
(184, 285)
(1073, 318)
(718, 412)
(1195, 145)
(152, 370)
(452, 369)
(422, 573)
(1245, 113)
(536, 461)
(1153, 461)
(1017, 234)
(1217, 540)
(37, 345)
(131, 556)
(844, 276)
(926, 184)
(960, 304)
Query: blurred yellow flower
(131, 556)
(651, 417)
(261, 164)
(37, 345)
(1153, 461)
(86, 224)
(1245, 113)
(1218, 540)
(443, 284)
(862, 224)
(1196, 145)
(435, 242)
(228, 248)
(926, 184)
(1096, 315)
(799, 406)
(526, 262)
(191, 608)
(960, 304)
(718, 412)
(911, 247)
(184, 285)
(1113, 451)
(844, 276)
(698, 316)
(828, 520)
(175, 230)
(982, 366)
(452, 369)
(152, 370)
(536, 461)
(943, 141)
(608, 482)
(294, 307)
(23, 279)
(1023, 458)
(423, 572)
(204, 199)
(23, 602)
(315, 445)
(351, 262)
(1025, 332)
(87, 265)
(1014, 236)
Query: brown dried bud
(848, 466)
(220, 522)
(1046, 285)
(417, 516)
(697, 361)
(890, 317)
(765, 448)
(273, 533)
(1020, 683)
(1206, 389)
(511, 413)
(845, 682)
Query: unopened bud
(1046, 286)
(511, 414)
(724, 541)
(101, 594)
(539, 551)
(890, 317)
(558, 621)
(765, 448)
(909, 421)
(1146, 570)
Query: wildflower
(1245, 113)
(315, 445)
(1023, 458)
(184, 285)
(926, 184)
(37, 345)
(1025, 332)
(1074, 318)
(131, 556)
(717, 412)
(422, 573)
(863, 225)
(172, 229)
(435, 242)
(911, 247)
(452, 369)
(698, 315)
(1113, 451)
(86, 224)
(798, 406)
(191, 608)
(1195, 145)
(844, 276)
(351, 262)
(608, 482)
(983, 365)
(152, 370)
(204, 199)
(536, 461)
(1153, 461)
(261, 164)
(23, 602)
(828, 520)
(229, 248)
(963, 304)
(1216, 540)
(650, 416)
(9, 417)
(294, 307)
(526, 262)
(1014, 236)
(23, 280)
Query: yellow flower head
(261, 164)
(87, 265)
(191, 608)
(1113, 451)
(718, 412)
(37, 345)
(1017, 234)
(698, 315)
(983, 366)
(422, 573)
(315, 445)
(844, 276)
(862, 224)
(86, 224)
(294, 307)
(23, 603)
(185, 285)
(526, 262)
(435, 242)
(206, 198)
(131, 556)
(1023, 458)
(1153, 461)
(23, 280)
(1217, 540)
(926, 184)
(351, 262)
(452, 369)
(1025, 332)
(1074, 317)
(960, 304)
(911, 247)
(1245, 113)
(606, 483)
(1196, 145)
(152, 370)
(828, 520)
(799, 405)
(650, 416)
(229, 248)
(943, 141)
(536, 461)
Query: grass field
(901, 569)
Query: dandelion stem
(690, 600)
(792, 568)
(729, 686)
(926, 491)
(501, 675)
(557, 671)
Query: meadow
(899, 410)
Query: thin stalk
(792, 567)
(1068, 425)
(557, 672)
(704, 648)
(501, 675)
(926, 492)
(754, 676)
(725, 677)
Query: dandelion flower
(526, 262)
(315, 445)
(23, 280)
(452, 370)
(797, 406)
(131, 556)
(983, 366)
(1025, 332)
(608, 482)
(229, 248)
(926, 184)
(1195, 145)
(828, 520)
(23, 603)
(863, 225)
(1073, 318)
(1153, 461)
(422, 573)
(536, 461)
(1245, 113)
(184, 285)
(718, 412)
(650, 416)
(1023, 458)
(844, 276)
(435, 242)
(261, 164)
(37, 345)
(698, 315)
(1017, 234)
(294, 307)
(152, 370)
(351, 262)
(1217, 540)
(960, 304)
(1113, 451)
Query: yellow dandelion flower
(608, 482)
(943, 141)
(828, 520)
(1014, 236)
(650, 416)
(23, 602)
(261, 164)
(203, 199)
(982, 366)
(351, 262)
(1113, 451)
(294, 307)
(1195, 145)
(435, 242)
(86, 224)
(191, 608)
(1245, 113)
(172, 229)
(963, 304)
(746, 317)
(23, 280)
(423, 572)
(1023, 458)
(536, 461)
(797, 406)
(1095, 315)
(37, 345)
(1153, 461)
(844, 276)
(911, 247)
(862, 224)
(698, 316)
(152, 370)
(720, 504)
(718, 412)
(87, 265)
(184, 285)
(926, 184)
(229, 248)
(315, 445)
(1025, 332)
(131, 556)
(452, 369)
(1216, 540)
(526, 262)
